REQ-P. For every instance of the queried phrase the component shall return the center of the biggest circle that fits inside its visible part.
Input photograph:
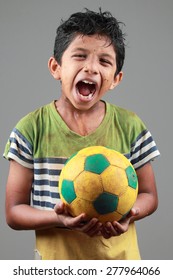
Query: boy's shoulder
(40, 110)
(123, 113)
(35, 115)
(34, 122)
(126, 119)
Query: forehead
(92, 42)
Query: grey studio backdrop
(27, 32)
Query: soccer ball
(100, 182)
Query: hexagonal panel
(117, 159)
(96, 163)
(105, 203)
(113, 216)
(114, 180)
(73, 155)
(88, 185)
(127, 200)
(73, 167)
(79, 206)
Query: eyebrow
(79, 49)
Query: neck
(82, 122)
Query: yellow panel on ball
(117, 159)
(73, 167)
(114, 216)
(79, 206)
(114, 180)
(127, 200)
(88, 185)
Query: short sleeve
(143, 149)
(19, 149)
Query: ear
(54, 68)
(117, 80)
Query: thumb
(134, 211)
(59, 207)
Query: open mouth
(86, 89)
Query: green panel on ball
(132, 177)
(106, 203)
(68, 191)
(96, 163)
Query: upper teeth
(88, 82)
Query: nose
(91, 66)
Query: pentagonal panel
(68, 191)
(105, 203)
(96, 163)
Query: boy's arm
(19, 214)
(147, 200)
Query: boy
(88, 57)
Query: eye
(79, 56)
(105, 62)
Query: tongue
(85, 89)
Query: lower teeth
(87, 96)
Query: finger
(94, 229)
(106, 232)
(113, 229)
(121, 227)
(79, 220)
(91, 227)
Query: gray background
(27, 32)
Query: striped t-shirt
(43, 142)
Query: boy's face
(87, 70)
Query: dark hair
(89, 23)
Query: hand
(80, 223)
(117, 228)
